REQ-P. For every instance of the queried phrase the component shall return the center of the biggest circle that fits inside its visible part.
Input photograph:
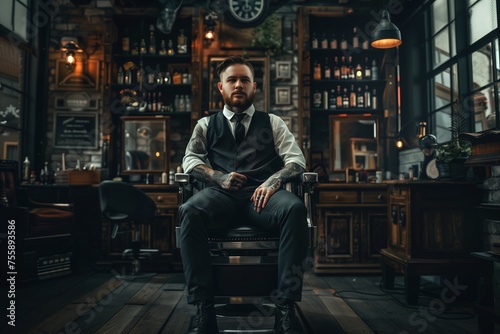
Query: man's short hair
(231, 60)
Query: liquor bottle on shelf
(159, 103)
(345, 99)
(163, 48)
(120, 76)
(314, 41)
(140, 74)
(367, 98)
(176, 103)
(339, 99)
(360, 101)
(317, 99)
(368, 70)
(374, 99)
(350, 70)
(352, 98)
(327, 72)
(153, 102)
(343, 43)
(374, 70)
(142, 47)
(324, 42)
(365, 45)
(152, 41)
(317, 70)
(182, 103)
(358, 72)
(325, 100)
(187, 103)
(128, 77)
(181, 42)
(170, 48)
(336, 69)
(150, 102)
(125, 41)
(355, 39)
(167, 79)
(135, 49)
(333, 42)
(159, 78)
(343, 69)
(332, 100)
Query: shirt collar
(229, 114)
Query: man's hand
(262, 194)
(232, 181)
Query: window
(13, 30)
(457, 50)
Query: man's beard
(240, 103)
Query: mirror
(354, 142)
(145, 144)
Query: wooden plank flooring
(94, 301)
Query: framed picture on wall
(283, 70)
(261, 68)
(282, 96)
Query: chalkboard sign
(75, 130)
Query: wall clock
(247, 13)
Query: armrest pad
(182, 178)
(309, 177)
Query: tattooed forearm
(206, 174)
(197, 143)
(287, 173)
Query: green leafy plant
(266, 36)
(455, 149)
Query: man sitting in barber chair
(245, 161)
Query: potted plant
(451, 156)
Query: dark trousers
(213, 208)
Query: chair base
(251, 317)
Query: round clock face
(432, 170)
(247, 12)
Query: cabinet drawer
(331, 197)
(164, 198)
(377, 197)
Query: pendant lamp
(386, 35)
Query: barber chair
(121, 203)
(245, 257)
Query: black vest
(256, 157)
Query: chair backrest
(121, 197)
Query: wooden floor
(94, 301)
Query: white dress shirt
(284, 142)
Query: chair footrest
(143, 252)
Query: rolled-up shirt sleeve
(285, 144)
(196, 150)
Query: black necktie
(239, 132)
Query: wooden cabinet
(159, 235)
(352, 227)
(432, 228)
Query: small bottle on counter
(164, 177)
(171, 177)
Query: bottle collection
(130, 74)
(151, 47)
(156, 103)
(140, 64)
(343, 98)
(347, 75)
(333, 42)
(345, 68)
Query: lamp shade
(386, 35)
